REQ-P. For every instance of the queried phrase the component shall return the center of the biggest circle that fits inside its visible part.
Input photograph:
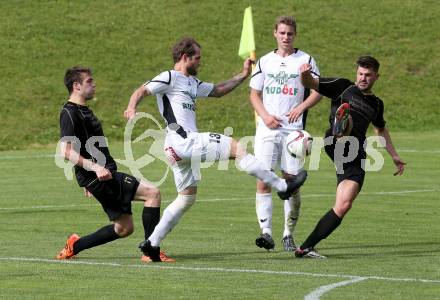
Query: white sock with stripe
(263, 205)
(291, 213)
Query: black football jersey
(364, 109)
(79, 121)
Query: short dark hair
(74, 74)
(368, 62)
(186, 46)
(286, 20)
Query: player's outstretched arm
(135, 98)
(67, 152)
(306, 77)
(400, 164)
(225, 87)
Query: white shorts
(186, 154)
(271, 151)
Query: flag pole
(253, 57)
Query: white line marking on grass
(216, 199)
(47, 206)
(31, 156)
(208, 269)
(403, 279)
(316, 294)
(400, 192)
(419, 151)
(330, 194)
(13, 157)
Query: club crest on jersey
(189, 94)
(282, 77)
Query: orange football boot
(67, 251)
(163, 258)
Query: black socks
(150, 218)
(101, 236)
(329, 222)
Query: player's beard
(192, 71)
(90, 96)
(365, 88)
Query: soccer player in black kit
(83, 143)
(353, 108)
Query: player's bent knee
(154, 199)
(263, 188)
(237, 149)
(124, 229)
(186, 201)
(149, 194)
(342, 209)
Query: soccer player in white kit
(277, 96)
(176, 92)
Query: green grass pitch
(387, 247)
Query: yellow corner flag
(247, 41)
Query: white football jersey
(279, 80)
(176, 97)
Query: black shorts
(353, 170)
(115, 195)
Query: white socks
(263, 205)
(291, 213)
(254, 167)
(170, 217)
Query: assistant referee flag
(247, 41)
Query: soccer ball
(299, 143)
